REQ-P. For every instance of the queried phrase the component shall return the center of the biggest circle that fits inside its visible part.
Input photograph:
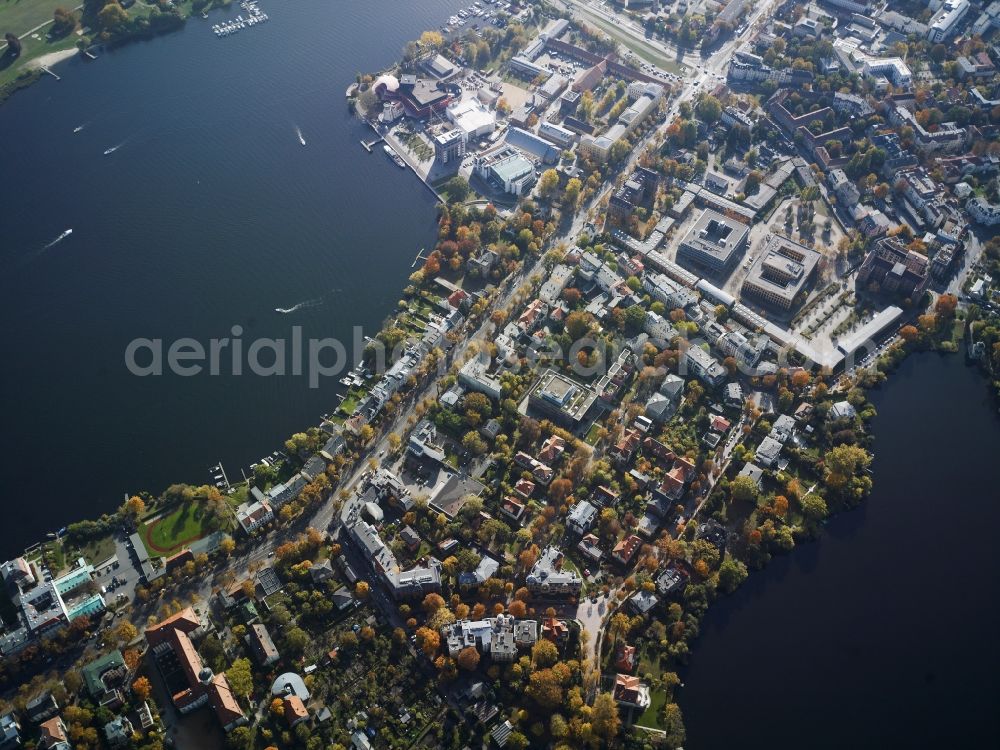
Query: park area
(31, 22)
(169, 533)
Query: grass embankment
(641, 50)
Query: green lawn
(651, 716)
(19, 16)
(173, 532)
(98, 550)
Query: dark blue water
(883, 633)
(209, 215)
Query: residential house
(631, 692)
(841, 410)
(261, 646)
(767, 452)
(589, 547)
(550, 577)
(252, 516)
(671, 581)
(10, 731)
(295, 710)
(642, 602)
(118, 732)
(626, 658)
(581, 517)
(40, 708)
(52, 735)
(626, 549)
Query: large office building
(944, 23)
(782, 270)
(890, 267)
(506, 170)
(472, 118)
(714, 244)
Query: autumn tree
(545, 688)
(126, 632)
(548, 183)
(468, 658)
(428, 640)
(142, 688)
(604, 720)
(544, 654)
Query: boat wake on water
(36, 253)
(59, 239)
(114, 148)
(300, 306)
(78, 128)
(298, 132)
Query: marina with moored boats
(254, 16)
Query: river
(210, 214)
(881, 634)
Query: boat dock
(46, 69)
(420, 257)
(221, 480)
(254, 16)
(400, 152)
(367, 146)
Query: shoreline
(51, 59)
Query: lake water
(883, 633)
(210, 214)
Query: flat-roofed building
(781, 272)
(449, 145)
(506, 170)
(562, 398)
(714, 243)
(472, 118)
(556, 133)
(704, 366)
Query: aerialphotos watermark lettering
(320, 358)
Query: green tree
(743, 489)
(474, 443)
(240, 677)
(732, 573)
(709, 109)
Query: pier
(45, 69)
(404, 155)
(368, 146)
